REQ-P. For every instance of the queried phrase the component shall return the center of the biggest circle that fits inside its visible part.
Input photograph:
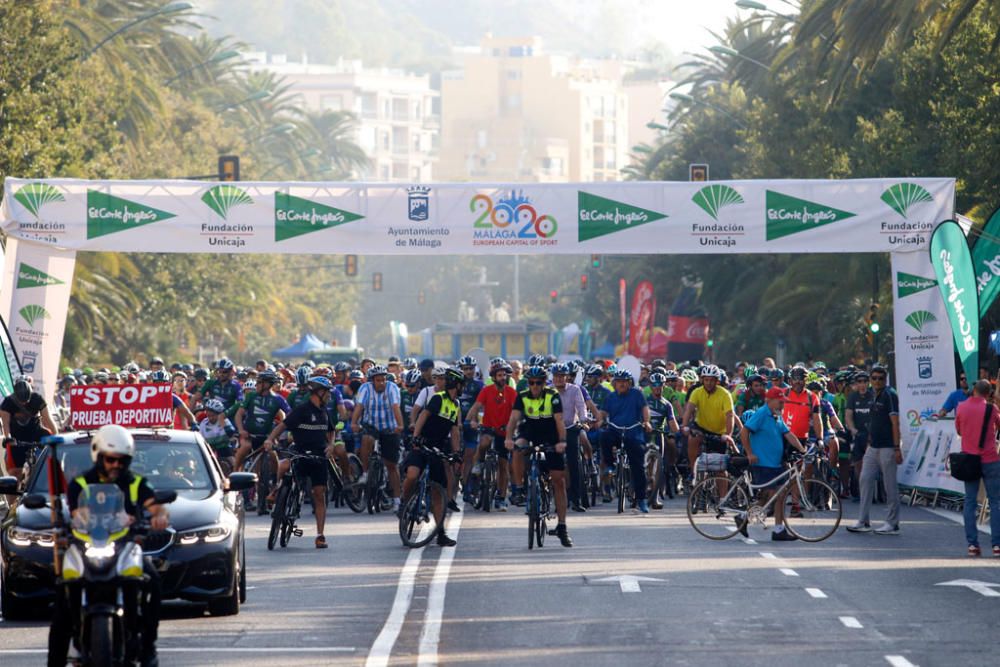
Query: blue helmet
(561, 369)
(535, 372)
(302, 375)
(622, 375)
(319, 382)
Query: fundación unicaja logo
(223, 198)
(108, 214)
(295, 216)
(34, 196)
(599, 216)
(919, 318)
(713, 198)
(32, 313)
(787, 215)
(902, 196)
(29, 276)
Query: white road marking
(899, 661)
(748, 540)
(768, 555)
(788, 573)
(981, 587)
(957, 518)
(212, 649)
(816, 593)
(382, 648)
(851, 622)
(628, 583)
(430, 636)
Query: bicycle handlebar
(624, 428)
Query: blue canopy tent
(303, 348)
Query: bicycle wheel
(277, 516)
(292, 506)
(354, 493)
(263, 482)
(417, 523)
(715, 516)
(621, 485)
(533, 514)
(819, 511)
(595, 483)
(487, 486)
(371, 489)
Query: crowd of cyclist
(583, 413)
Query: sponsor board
(108, 214)
(130, 405)
(713, 199)
(907, 284)
(295, 216)
(224, 201)
(787, 215)
(909, 229)
(511, 219)
(600, 216)
(34, 197)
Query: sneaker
(783, 536)
(741, 523)
(563, 535)
(577, 507)
(476, 469)
(656, 505)
(395, 505)
(320, 542)
(444, 541)
(887, 529)
(453, 506)
(501, 506)
(859, 527)
(643, 507)
(363, 479)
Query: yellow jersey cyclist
(709, 411)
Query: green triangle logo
(295, 216)
(787, 215)
(599, 216)
(107, 214)
(907, 284)
(29, 276)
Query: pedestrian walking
(977, 420)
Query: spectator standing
(955, 397)
(969, 423)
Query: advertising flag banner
(641, 319)
(952, 262)
(986, 262)
(622, 308)
(10, 365)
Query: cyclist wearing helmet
(407, 399)
(830, 420)
(437, 376)
(224, 386)
(709, 409)
(410, 364)
(801, 411)
(574, 417)
(377, 415)
(778, 378)
(495, 402)
(394, 367)
(183, 417)
(626, 408)
(112, 450)
(664, 423)
(753, 396)
(218, 431)
(312, 431)
(255, 418)
(300, 394)
(438, 426)
(25, 418)
(470, 437)
(538, 413)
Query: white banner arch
(51, 219)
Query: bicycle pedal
(297, 532)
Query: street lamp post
(217, 58)
(722, 50)
(171, 8)
(684, 97)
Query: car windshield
(178, 466)
(101, 514)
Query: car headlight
(24, 537)
(211, 534)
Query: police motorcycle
(103, 569)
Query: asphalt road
(852, 600)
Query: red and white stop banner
(128, 405)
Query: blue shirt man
(955, 397)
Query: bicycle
(819, 509)
(259, 462)
(489, 469)
(623, 472)
(288, 502)
(418, 523)
(538, 501)
(34, 449)
(653, 464)
(339, 491)
(376, 499)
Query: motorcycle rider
(112, 450)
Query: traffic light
(709, 343)
(583, 282)
(421, 297)
(229, 167)
(351, 265)
(697, 172)
(595, 261)
(377, 281)
(872, 326)
(553, 295)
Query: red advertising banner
(622, 295)
(128, 405)
(641, 319)
(687, 329)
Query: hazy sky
(682, 23)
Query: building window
(399, 171)
(414, 173)
(383, 172)
(369, 105)
(385, 140)
(416, 142)
(331, 103)
(367, 139)
(513, 101)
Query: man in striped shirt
(377, 415)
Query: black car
(201, 557)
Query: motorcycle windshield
(101, 517)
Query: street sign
(981, 587)
(628, 583)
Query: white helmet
(114, 440)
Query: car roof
(161, 434)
